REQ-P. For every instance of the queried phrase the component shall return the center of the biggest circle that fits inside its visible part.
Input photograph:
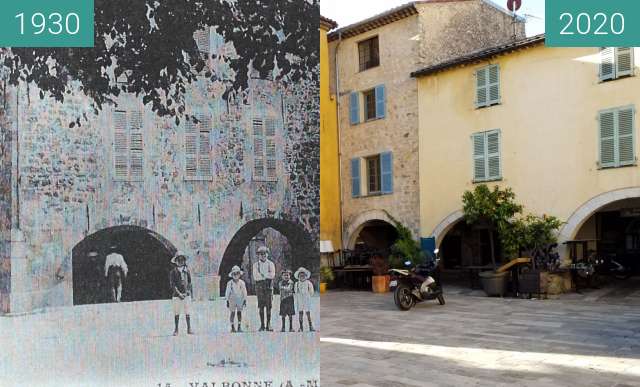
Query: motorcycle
(416, 284)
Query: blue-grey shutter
(624, 61)
(607, 136)
(380, 101)
(607, 67)
(355, 177)
(479, 157)
(481, 87)
(493, 84)
(494, 170)
(386, 172)
(626, 136)
(354, 108)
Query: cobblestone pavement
(589, 339)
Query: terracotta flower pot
(323, 287)
(380, 283)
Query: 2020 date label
(592, 23)
(46, 23)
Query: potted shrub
(326, 276)
(405, 248)
(380, 278)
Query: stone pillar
(20, 286)
(6, 201)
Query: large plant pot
(380, 283)
(323, 287)
(494, 284)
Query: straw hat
(179, 254)
(234, 270)
(302, 270)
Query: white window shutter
(624, 61)
(120, 146)
(493, 155)
(204, 147)
(607, 139)
(479, 157)
(482, 97)
(202, 40)
(136, 146)
(626, 136)
(191, 149)
(607, 63)
(493, 85)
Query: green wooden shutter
(493, 83)
(626, 136)
(354, 108)
(607, 139)
(386, 172)
(624, 61)
(493, 155)
(482, 97)
(355, 177)
(380, 101)
(607, 59)
(479, 157)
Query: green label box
(592, 23)
(46, 23)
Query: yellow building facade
(557, 125)
(330, 219)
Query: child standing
(304, 290)
(286, 299)
(180, 282)
(236, 295)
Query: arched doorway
(304, 251)
(146, 253)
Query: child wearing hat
(304, 290)
(236, 295)
(180, 282)
(287, 308)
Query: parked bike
(416, 284)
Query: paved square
(576, 340)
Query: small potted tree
(380, 278)
(405, 248)
(326, 276)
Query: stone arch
(304, 250)
(355, 226)
(586, 210)
(441, 230)
(146, 253)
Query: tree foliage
(151, 41)
(405, 248)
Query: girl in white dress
(303, 290)
(236, 295)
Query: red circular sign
(514, 5)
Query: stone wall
(5, 204)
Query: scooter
(413, 285)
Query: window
(486, 156)
(128, 150)
(197, 142)
(616, 63)
(202, 39)
(373, 103)
(488, 86)
(617, 137)
(378, 171)
(264, 149)
(368, 52)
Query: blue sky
(350, 11)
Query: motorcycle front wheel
(403, 298)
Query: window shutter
(481, 87)
(479, 158)
(607, 69)
(493, 155)
(354, 108)
(136, 146)
(191, 149)
(120, 146)
(624, 61)
(202, 40)
(204, 147)
(493, 85)
(380, 101)
(607, 139)
(386, 172)
(355, 177)
(626, 143)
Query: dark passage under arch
(146, 253)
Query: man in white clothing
(264, 271)
(115, 270)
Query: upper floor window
(203, 41)
(486, 156)
(128, 147)
(369, 53)
(264, 149)
(616, 63)
(197, 148)
(371, 102)
(378, 175)
(488, 86)
(617, 137)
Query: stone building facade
(74, 183)
(406, 38)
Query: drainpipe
(339, 142)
